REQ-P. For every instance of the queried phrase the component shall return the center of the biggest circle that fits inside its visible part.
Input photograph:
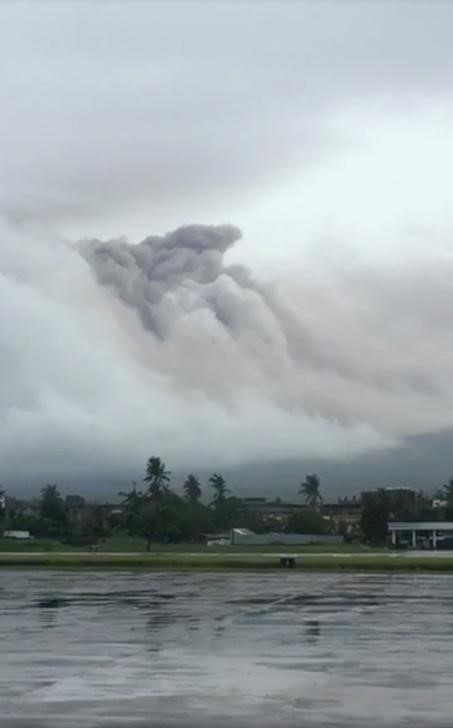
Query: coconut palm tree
(447, 495)
(192, 489)
(133, 501)
(447, 490)
(310, 490)
(133, 498)
(218, 484)
(2, 508)
(157, 478)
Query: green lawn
(38, 544)
(126, 544)
(134, 545)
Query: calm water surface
(287, 649)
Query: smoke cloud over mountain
(323, 132)
(157, 347)
(111, 351)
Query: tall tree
(219, 486)
(164, 521)
(310, 490)
(375, 515)
(447, 489)
(447, 492)
(133, 501)
(131, 498)
(2, 509)
(192, 489)
(157, 478)
(306, 521)
(52, 512)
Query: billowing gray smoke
(180, 353)
(142, 275)
(312, 349)
(180, 285)
(110, 352)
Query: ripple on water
(187, 649)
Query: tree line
(382, 505)
(156, 513)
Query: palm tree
(157, 478)
(192, 488)
(134, 502)
(447, 490)
(2, 508)
(447, 495)
(218, 484)
(310, 489)
(133, 498)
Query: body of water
(228, 649)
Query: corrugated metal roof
(243, 532)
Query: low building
(92, 515)
(344, 515)
(272, 513)
(423, 534)
(439, 503)
(217, 539)
(76, 510)
(20, 535)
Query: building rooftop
(421, 526)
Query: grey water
(225, 649)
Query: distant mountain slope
(425, 461)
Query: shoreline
(237, 561)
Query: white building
(439, 503)
(419, 534)
(22, 535)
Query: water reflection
(47, 618)
(264, 649)
(312, 630)
(52, 603)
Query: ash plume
(309, 348)
(143, 275)
(180, 286)
(112, 350)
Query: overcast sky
(323, 131)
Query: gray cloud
(356, 346)
(143, 274)
(88, 388)
(188, 104)
(111, 351)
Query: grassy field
(124, 552)
(227, 561)
(138, 545)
